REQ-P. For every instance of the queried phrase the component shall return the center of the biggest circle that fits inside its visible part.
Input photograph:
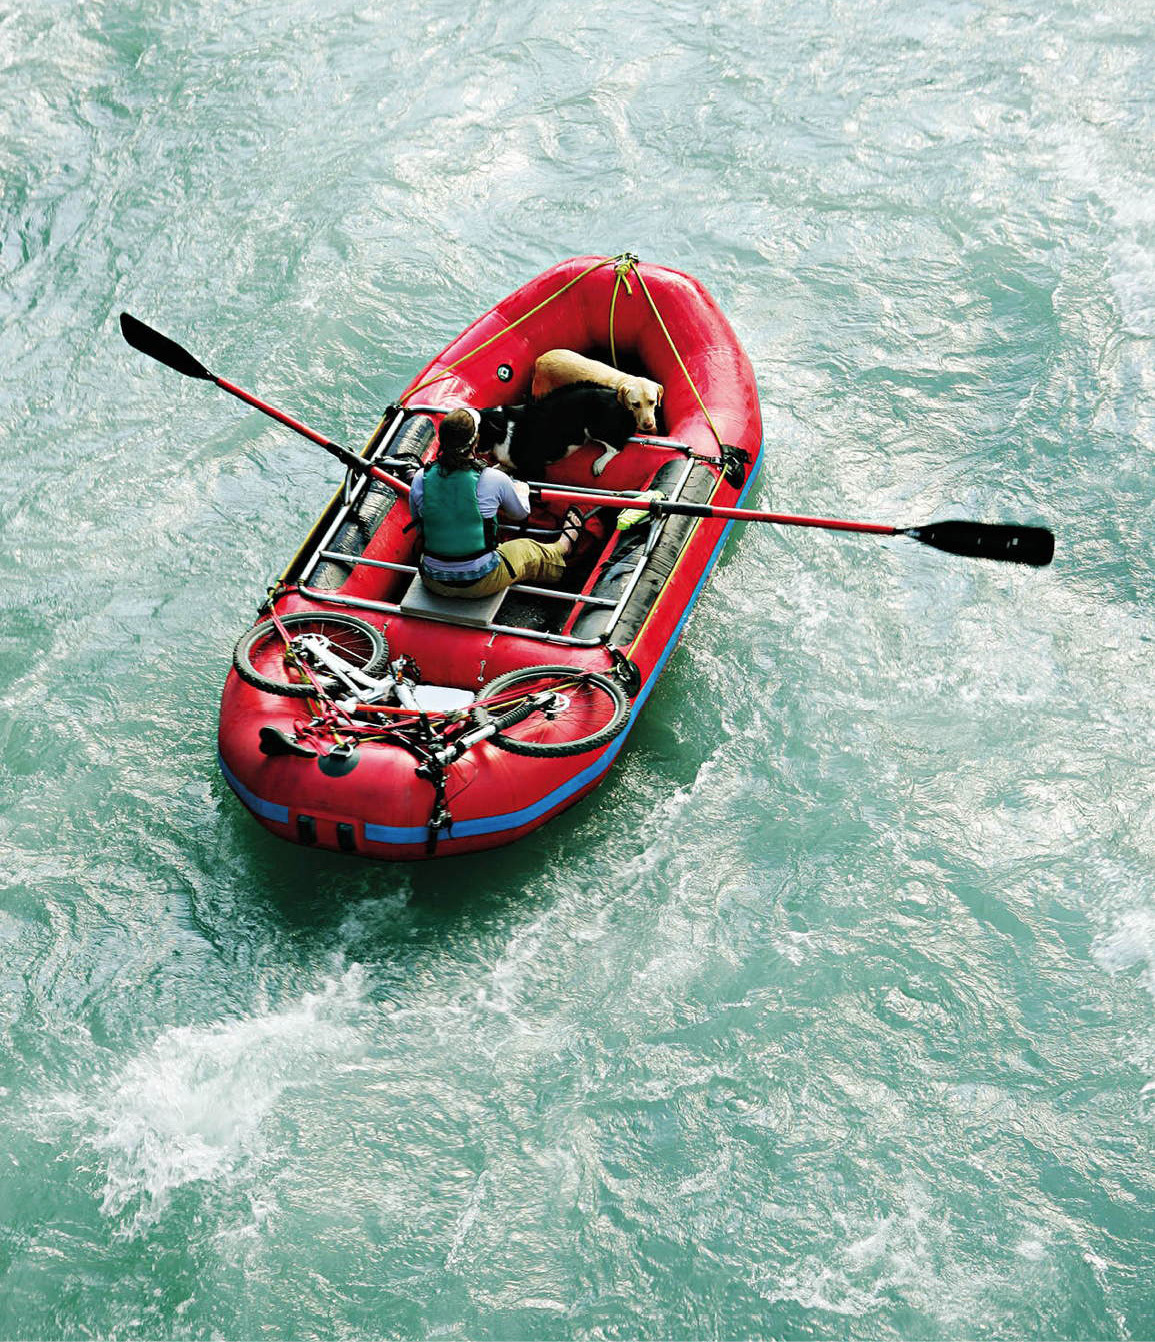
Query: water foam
(1130, 943)
(190, 1108)
(910, 1253)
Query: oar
(982, 540)
(1016, 544)
(176, 357)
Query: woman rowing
(456, 500)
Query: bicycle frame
(367, 690)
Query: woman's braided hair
(456, 441)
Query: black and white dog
(528, 438)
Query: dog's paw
(604, 460)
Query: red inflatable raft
(365, 715)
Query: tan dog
(639, 395)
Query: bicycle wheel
(263, 660)
(586, 711)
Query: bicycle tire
(597, 710)
(259, 656)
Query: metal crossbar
(392, 608)
(351, 497)
(556, 593)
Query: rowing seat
(478, 612)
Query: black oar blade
(982, 540)
(161, 348)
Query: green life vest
(451, 522)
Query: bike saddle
(276, 742)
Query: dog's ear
(661, 393)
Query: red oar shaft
(980, 540)
(271, 410)
(349, 458)
(707, 510)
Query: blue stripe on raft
(412, 835)
(492, 824)
(267, 810)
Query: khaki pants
(523, 559)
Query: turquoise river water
(830, 1014)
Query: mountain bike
(341, 663)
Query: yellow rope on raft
(623, 265)
(447, 372)
(681, 364)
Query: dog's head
(493, 431)
(641, 397)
